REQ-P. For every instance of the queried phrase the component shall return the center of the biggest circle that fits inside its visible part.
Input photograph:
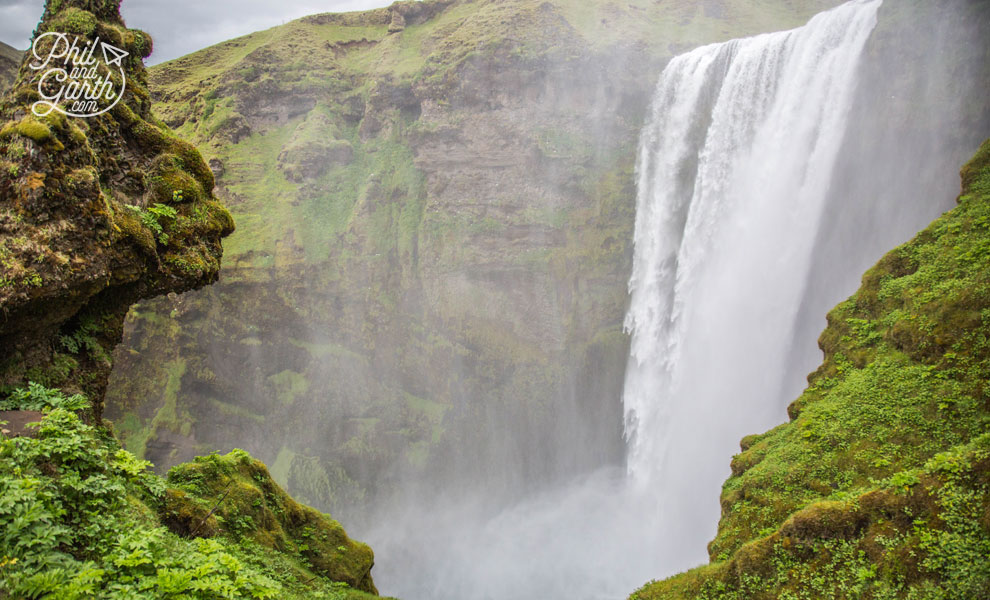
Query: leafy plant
(85, 338)
(80, 519)
(156, 216)
(77, 535)
(39, 397)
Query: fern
(38, 397)
(85, 338)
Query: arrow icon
(113, 51)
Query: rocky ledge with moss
(95, 214)
(879, 486)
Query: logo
(75, 80)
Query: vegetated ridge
(10, 60)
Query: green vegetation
(85, 338)
(879, 487)
(73, 20)
(156, 217)
(37, 397)
(82, 518)
(10, 61)
(28, 127)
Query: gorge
(504, 305)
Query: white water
(733, 173)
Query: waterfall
(733, 175)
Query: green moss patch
(249, 504)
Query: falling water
(734, 169)
(733, 175)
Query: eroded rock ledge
(95, 214)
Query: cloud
(18, 19)
(183, 26)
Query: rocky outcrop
(235, 495)
(96, 213)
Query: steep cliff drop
(733, 177)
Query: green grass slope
(878, 486)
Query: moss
(251, 505)
(77, 135)
(150, 136)
(130, 225)
(185, 516)
(192, 161)
(169, 181)
(74, 20)
(28, 127)
(139, 43)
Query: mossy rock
(28, 127)
(250, 504)
(169, 182)
(74, 20)
(130, 225)
(68, 182)
(186, 516)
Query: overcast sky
(183, 26)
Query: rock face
(95, 214)
(435, 203)
(10, 61)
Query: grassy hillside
(879, 486)
(10, 61)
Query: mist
(503, 428)
(823, 169)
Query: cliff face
(880, 483)
(10, 61)
(95, 214)
(435, 204)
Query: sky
(183, 26)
